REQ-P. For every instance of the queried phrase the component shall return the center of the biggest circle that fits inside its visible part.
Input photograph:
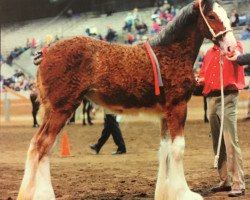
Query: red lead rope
(157, 88)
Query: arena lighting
(55, 1)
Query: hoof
(189, 195)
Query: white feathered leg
(44, 188)
(171, 183)
(160, 189)
(36, 183)
(27, 188)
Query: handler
(230, 165)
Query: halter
(209, 27)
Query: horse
(120, 78)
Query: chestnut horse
(120, 78)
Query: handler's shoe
(118, 152)
(36, 126)
(221, 188)
(94, 148)
(236, 193)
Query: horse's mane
(174, 29)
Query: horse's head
(215, 25)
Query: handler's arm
(244, 59)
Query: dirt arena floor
(131, 176)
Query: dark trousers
(35, 108)
(111, 126)
(87, 107)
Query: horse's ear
(197, 2)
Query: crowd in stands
(136, 29)
(18, 81)
(241, 20)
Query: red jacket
(233, 74)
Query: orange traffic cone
(65, 152)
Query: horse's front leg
(162, 172)
(171, 183)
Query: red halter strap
(156, 78)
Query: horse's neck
(187, 48)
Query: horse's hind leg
(171, 152)
(36, 182)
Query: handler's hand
(233, 57)
(200, 81)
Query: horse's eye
(211, 17)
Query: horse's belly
(125, 105)
(156, 110)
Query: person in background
(111, 127)
(230, 164)
(245, 34)
(35, 104)
(156, 28)
(242, 59)
(234, 19)
(199, 88)
(111, 35)
(87, 107)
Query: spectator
(245, 34)
(234, 18)
(69, 13)
(199, 88)
(33, 46)
(111, 35)
(35, 105)
(243, 20)
(173, 11)
(28, 43)
(141, 27)
(131, 38)
(128, 22)
(157, 11)
(156, 28)
(136, 16)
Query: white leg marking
(160, 189)
(36, 183)
(27, 187)
(44, 189)
(171, 183)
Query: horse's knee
(45, 139)
(178, 147)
